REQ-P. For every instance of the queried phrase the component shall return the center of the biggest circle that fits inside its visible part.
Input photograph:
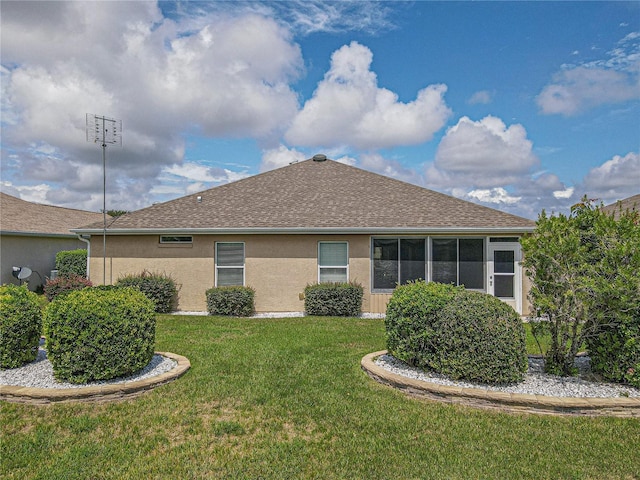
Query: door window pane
(471, 263)
(445, 260)
(504, 261)
(412, 260)
(385, 263)
(503, 286)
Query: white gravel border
(39, 374)
(535, 383)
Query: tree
(584, 273)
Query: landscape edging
(97, 393)
(510, 402)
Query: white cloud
(225, 75)
(566, 193)
(494, 195)
(578, 89)
(483, 153)
(614, 79)
(349, 109)
(280, 157)
(483, 97)
(615, 179)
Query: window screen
(333, 262)
(229, 264)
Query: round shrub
(65, 284)
(159, 288)
(411, 313)
(459, 333)
(20, 326)
(482, 339)
(233, 301)
(99, 334)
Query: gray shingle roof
(630, 203)
(19, 216)
(316, 196)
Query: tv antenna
(105, 131)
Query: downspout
(81, 238)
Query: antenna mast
(105, 131)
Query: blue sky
(520, 106)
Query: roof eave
(311, 231)
(37, 234)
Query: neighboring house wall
(278, 267)
(36, 252)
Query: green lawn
(285, 398)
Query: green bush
(159, 288)
(65, 284)
(232, 301)
(410, 318)
(72, 262)
(615, 351)
(333, 299)
(20, 326)
(482, 339)
(99, 334)
(459, 333)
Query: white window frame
(223, 267)
(346, 267)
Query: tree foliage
(585, 286)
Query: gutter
(36, 234)
(309, 231)
(86, 240)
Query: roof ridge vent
(319, 157)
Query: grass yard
(285, 398)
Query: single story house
(31, 234)
(314, 221)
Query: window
(459, 261)
(333, 262)
(398, 260)
(176, 239)
(229, 264)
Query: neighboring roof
(20, 217)
(315, 196)
(631, 203)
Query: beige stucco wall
(278, 270)
(37, 253)
(278, 267)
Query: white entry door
(505, 277)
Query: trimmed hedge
(159, 288)
(72, 262)
(65, 284)
(99, 334)
(459, 333)
(231, 301)
(20, 326)
(333, 299)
